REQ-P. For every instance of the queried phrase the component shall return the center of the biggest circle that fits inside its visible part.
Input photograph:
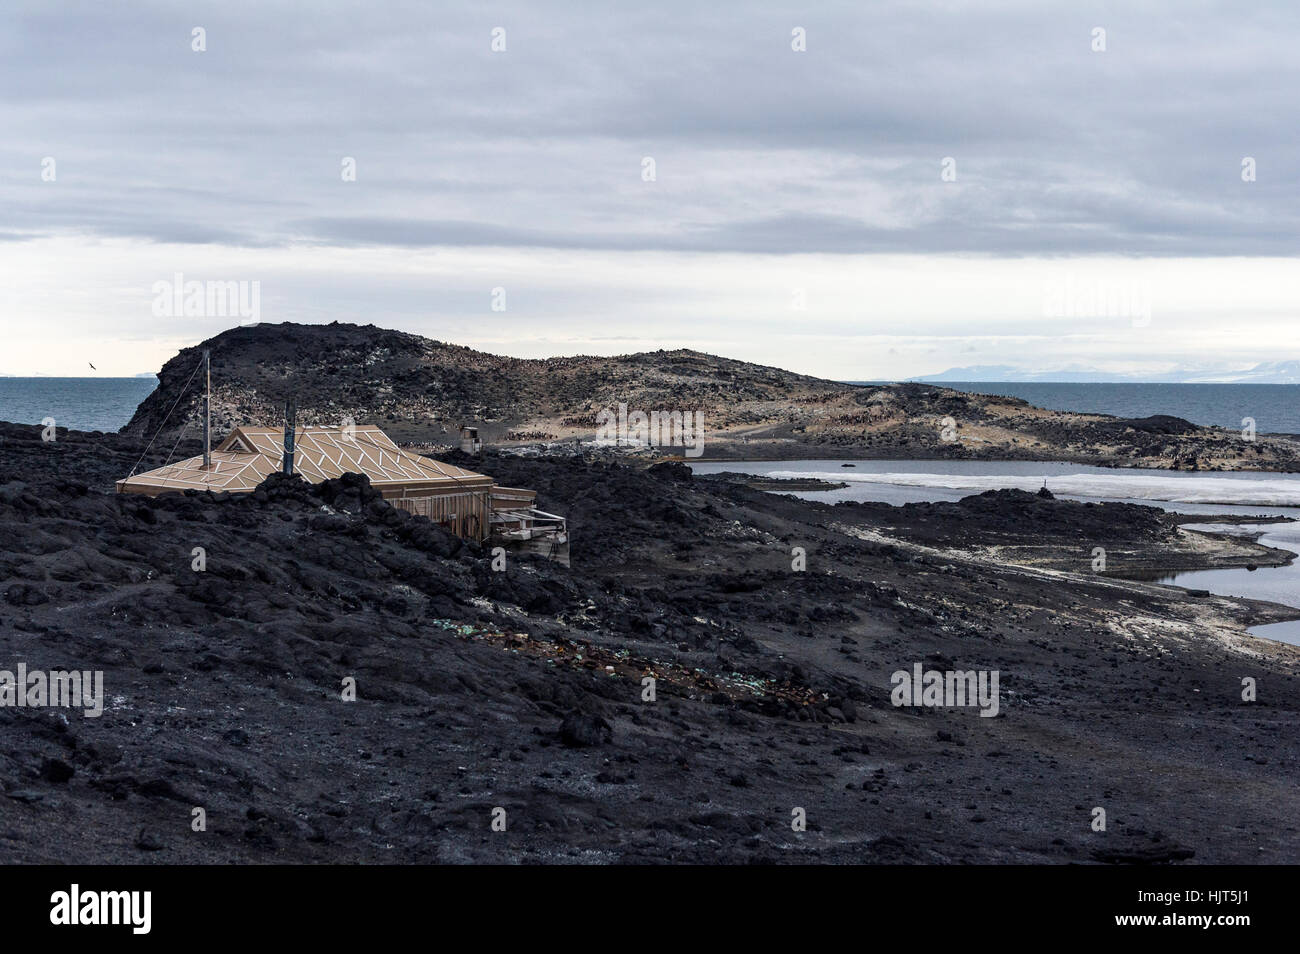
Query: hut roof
(249, 455)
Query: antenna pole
(207, 410)
(290, 415)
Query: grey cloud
(1059, 150)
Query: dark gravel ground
(522, 690)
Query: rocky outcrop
(420, 390)
(415, 387)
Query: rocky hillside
(421, 390)
(523, 689)
(414, 386)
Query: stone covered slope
(414, 385)
(420, 390)
(923, 421)
(522, 689)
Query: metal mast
(290, 413)
(207, 410)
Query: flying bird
(92, 367)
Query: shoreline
(840, 453)
(1184, 551)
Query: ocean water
(909, 481)
(1148, 486)
(1278, 584)
(1275, 407)
(82, 404)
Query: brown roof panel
(249, 455)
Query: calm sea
(1275, 407)
(82, 404)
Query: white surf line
(1047, 574)
(1124, 622)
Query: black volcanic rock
(670, 470)
(1155, 424)
(584, 730)
(57, 771)
(1018, 516)
(773, 685)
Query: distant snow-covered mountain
(1268, 372)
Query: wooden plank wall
(464, 513)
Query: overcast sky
(799, 212)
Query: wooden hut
(458, 499)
